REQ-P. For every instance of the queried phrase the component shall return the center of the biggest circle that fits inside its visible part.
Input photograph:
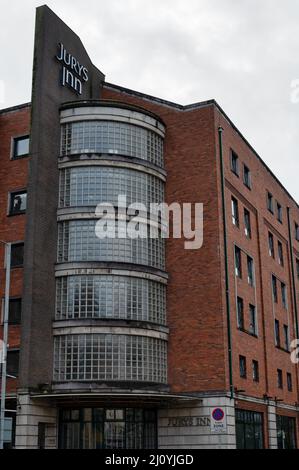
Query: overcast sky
(245, 54)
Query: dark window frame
(279, 212)
(255, 371)
(234, 163)
(15, 141)
(235, 212)
(12, 195)
(243, 367)
(17, 244)
(270, 201)
(247, 176)
(247, 223)
(280, 379)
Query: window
(255, 371)
(286, 432)
(238, 262)
(279, 212)
(240, 306)
(17, 255)
(15, 310)
(249, 430)
(21, 147)
(280, 254)
(286, 337)
(247, 222)
(279, 379)
(297, 267)
(252, 319)
(284, 295)
(271, 245)
(270, 203)
(277, 333)
(18, 203)
(234, 163)
(41, 439)
(235, 212)
(250, 268)
(274, 289)
(297, 232)
(290, 382)
(247, 177)
(13, 363)
(243, 367)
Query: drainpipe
(293, 271)
(227, 290)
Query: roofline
(15, 108)
(202, 104)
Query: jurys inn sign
(73, 74)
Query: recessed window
(270, 203)
(280, 254)
(17, 255)
(297, 267)
(235, 212)
(279, 213)
(13, 363)
(255, 371)
(240, 307)
(277, 333)
(234, 159)
(247, 177)
(290, 382)
(297, 232)
(271, 245)
(286, 337)
(238, 262)
(279, 379)
(21, 147)
(18, 203)
(243, 367)
(15, 311)
(247, 222)
(284, 295)
(274, 289)
(252, 320)
(250, 269)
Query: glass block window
(77, 242)
(110, 297)
(90, 186)
(104, 357)
(114, 138)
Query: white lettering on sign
(73, 74)
(218, 421)
(189, 421)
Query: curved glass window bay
(90, 186)
(77, 241)
(110, 297)
(110, 137)
(105, 357)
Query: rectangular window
(247, 177)
(247, 223)
(279, 379)
(277, 333)
(290, 382)
(297, 232)
(18, 203)
(274, 289)
(271, 245)
(240, 306)
(17, 255)
(234, 163)
(297, 267)
(235, 212)
(13, 363)
(286, 432)
(15, 311)
(250, 269)
(284, 295)
(249, 430)
(238, 262)
(255, 371)
(279, 212)
(286, 337)
(20, 147)
(243, 367)
(280, 254)
(270, 203)
(252, 319)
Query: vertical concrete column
(272, 426)
(31, 413)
